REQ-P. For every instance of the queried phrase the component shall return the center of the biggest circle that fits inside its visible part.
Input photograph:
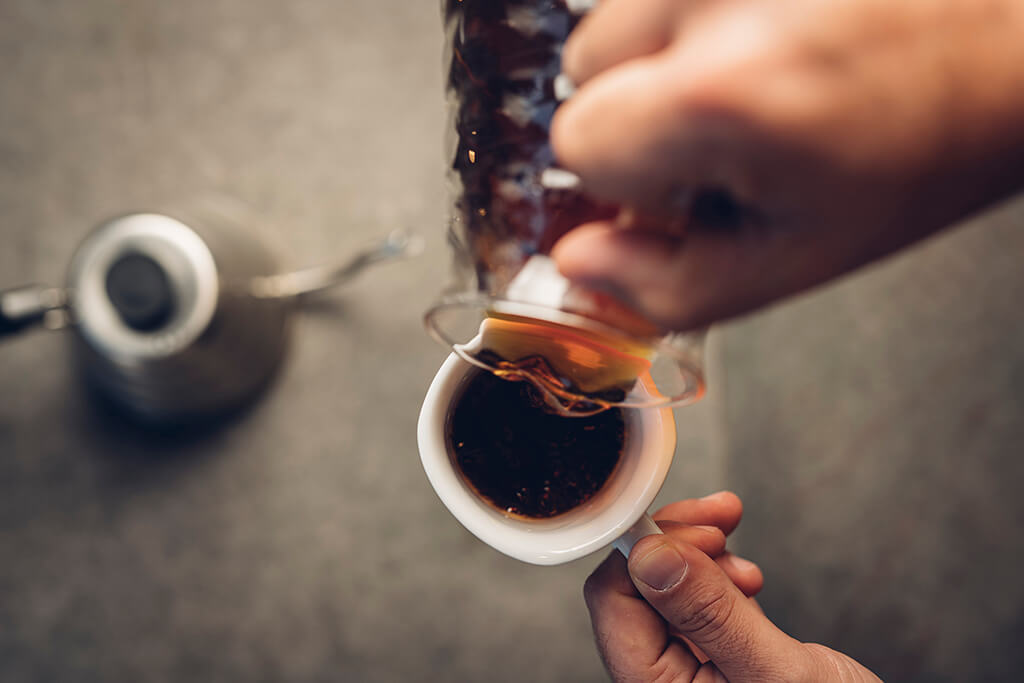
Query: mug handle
(645, 526)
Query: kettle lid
(143, 286)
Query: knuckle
(707, 613)
(664, 672)
(705, 93)
(710, 539)
(716, 536)
(715, 88)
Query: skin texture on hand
(681, 609)
(766, 147)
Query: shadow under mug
(616, 515)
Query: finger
(646, 131)
(744, 574)
(632, 639)
(686, 282)
(696, 650)
(616, 31)
(709, 673)
(723, 510)
(709, 539)
(619, 133)
(701, 603)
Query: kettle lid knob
(140, 291)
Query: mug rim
(650, 449)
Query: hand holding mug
(681, 609)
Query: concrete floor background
(876, 433)
(874, 428)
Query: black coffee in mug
(524, 460)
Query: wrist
(825, 665)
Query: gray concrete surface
(876, 433)
(874, 428)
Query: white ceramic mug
(617, 514)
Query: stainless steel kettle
(175, 322)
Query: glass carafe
(510, 311)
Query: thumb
(697, 599)
(685, 282)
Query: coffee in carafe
(502, 89)
(516, 316)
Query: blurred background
(875, 428)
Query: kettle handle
(300, 283)
(30, 305)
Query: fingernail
(741, 564)
(712, 496)
(661, 568)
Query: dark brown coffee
(504, 57)
(522, 459)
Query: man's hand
(801, 138)
(681, 609)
